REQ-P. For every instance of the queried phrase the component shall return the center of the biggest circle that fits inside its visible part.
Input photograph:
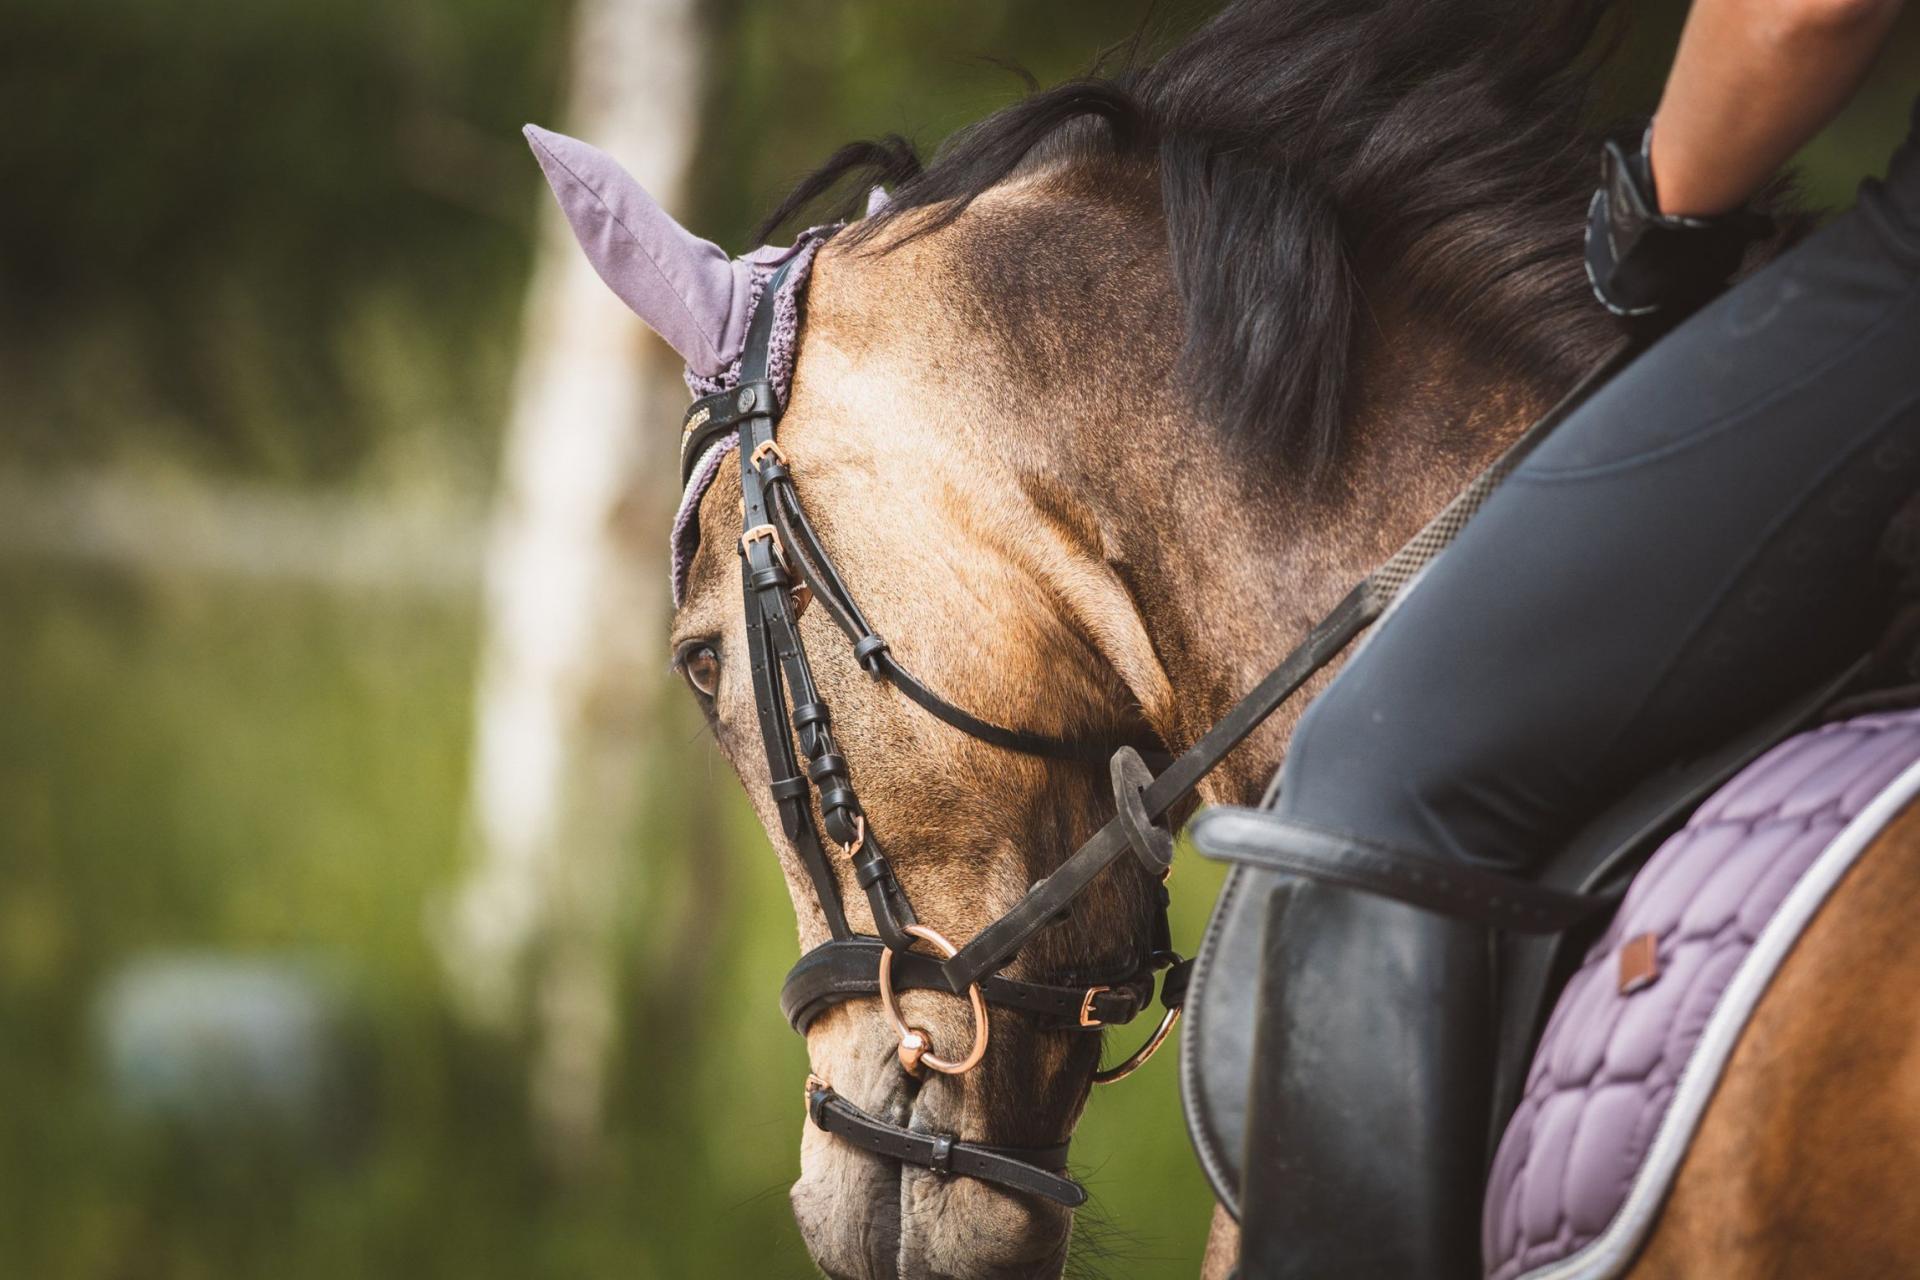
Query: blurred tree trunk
(573, 661)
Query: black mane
(1310, 150)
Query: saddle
(1221, 1038)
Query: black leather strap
(1173, 987)
(849, 968)
(1034, 1170)
(751, 407)
(1261, 838)
(816, 568)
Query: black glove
(1640, 260)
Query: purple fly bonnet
(685, 288)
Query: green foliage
(266, 237)
(268, 771)
(866, 69)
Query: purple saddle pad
(1641, 1033)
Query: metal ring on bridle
(914, 1052)
(1138, 1058)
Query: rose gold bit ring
(1138, 1059)
(915, 1047)
(1122, 1070)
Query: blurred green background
(278, 253)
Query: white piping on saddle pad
(1611, 1252)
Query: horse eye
(701, 666)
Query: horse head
(929, 461)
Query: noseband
(784, 568)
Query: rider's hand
(1641, 260)
(1753, 80)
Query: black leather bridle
(784, 566)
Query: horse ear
(687, 289)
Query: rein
(784, 569)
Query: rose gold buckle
(1086, 1007)
(764, 448)
(772, 536)
(802, 594)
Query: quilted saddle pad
(1639, 1038)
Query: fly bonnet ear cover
(685, 288)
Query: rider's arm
(1753, 80)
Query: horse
(1097, 414)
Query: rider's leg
(1690, 548)
(1685, 552)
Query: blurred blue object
(218, 1044)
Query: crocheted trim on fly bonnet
(781, 349)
